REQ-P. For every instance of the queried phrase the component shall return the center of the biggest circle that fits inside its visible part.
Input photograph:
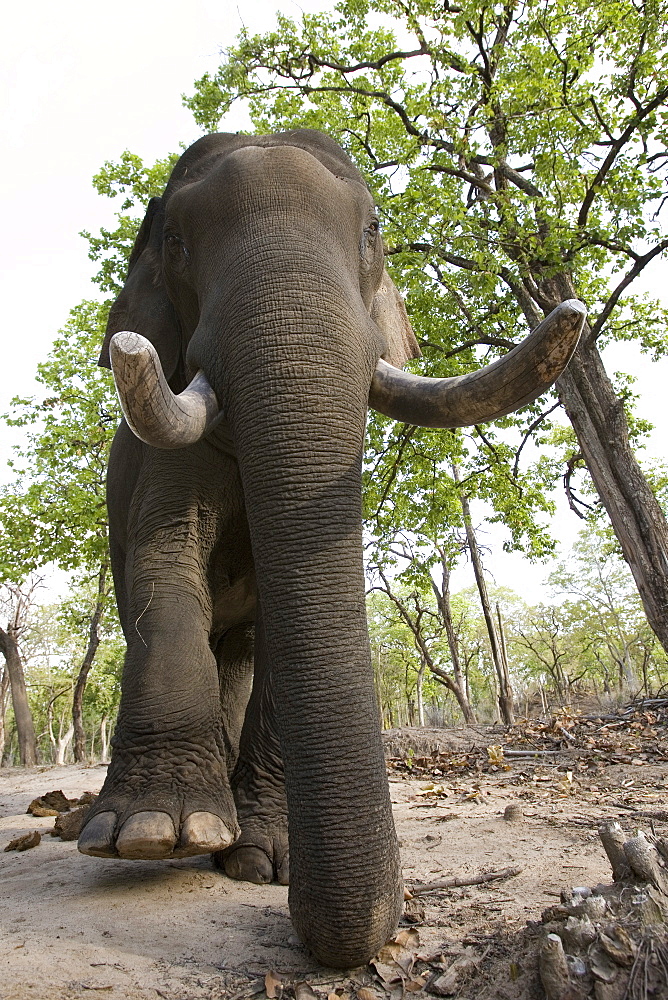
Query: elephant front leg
(167, 791)
(261, 852)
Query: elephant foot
(152, 808)
(257, 856)
(151, 835)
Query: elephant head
(259, 275)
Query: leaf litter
(477, 941)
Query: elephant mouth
(163, 419)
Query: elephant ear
(143, 305)
(389, 314)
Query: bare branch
(573, 500)
(378, 64)
(532, 427)
(488, 341)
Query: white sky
(81, 81)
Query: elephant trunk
(296, 397)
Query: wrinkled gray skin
(259, 265)
(261, 270)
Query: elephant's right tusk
(513, 380)
(155, 414)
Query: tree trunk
(104, 740)
(600, 425)
(500, 665)
(63, 743)
(494, 685)
(418, 692)
(445, 611)
(22, 714)
(4, 690)
(86, 664)
(602, 431)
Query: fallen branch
(659, 814)
(455, 880)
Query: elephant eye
(369, 240)
(176, 247)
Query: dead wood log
(455, 880)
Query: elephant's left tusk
(512, 381)
(155, 414)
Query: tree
(395, 662)
(427, 628)
(552, 643)
(496, 643)
(53, 643)
(55, 510)
(520, 156)
(87, 613)
(601, 600)
(409, 657)
(17, 601)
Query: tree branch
(532, 427)
(487, 341)
(616, 148)
(641, 262)
(378, 64)
(449, 258)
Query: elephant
(256, 325)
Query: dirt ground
(71, 925)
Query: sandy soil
(71, 925)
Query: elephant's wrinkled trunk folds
(165, 420)
(295, 394)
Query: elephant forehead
(268, 178)
(202, 156)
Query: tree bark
(86, 664)
(500, 664)
(22, 714)
(600, 425)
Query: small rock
(513, 813)
(618, 945)
(578, 934)
(25, 842)
(594, 907)
(447, 984)
(602, 966)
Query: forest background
(81, 92)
